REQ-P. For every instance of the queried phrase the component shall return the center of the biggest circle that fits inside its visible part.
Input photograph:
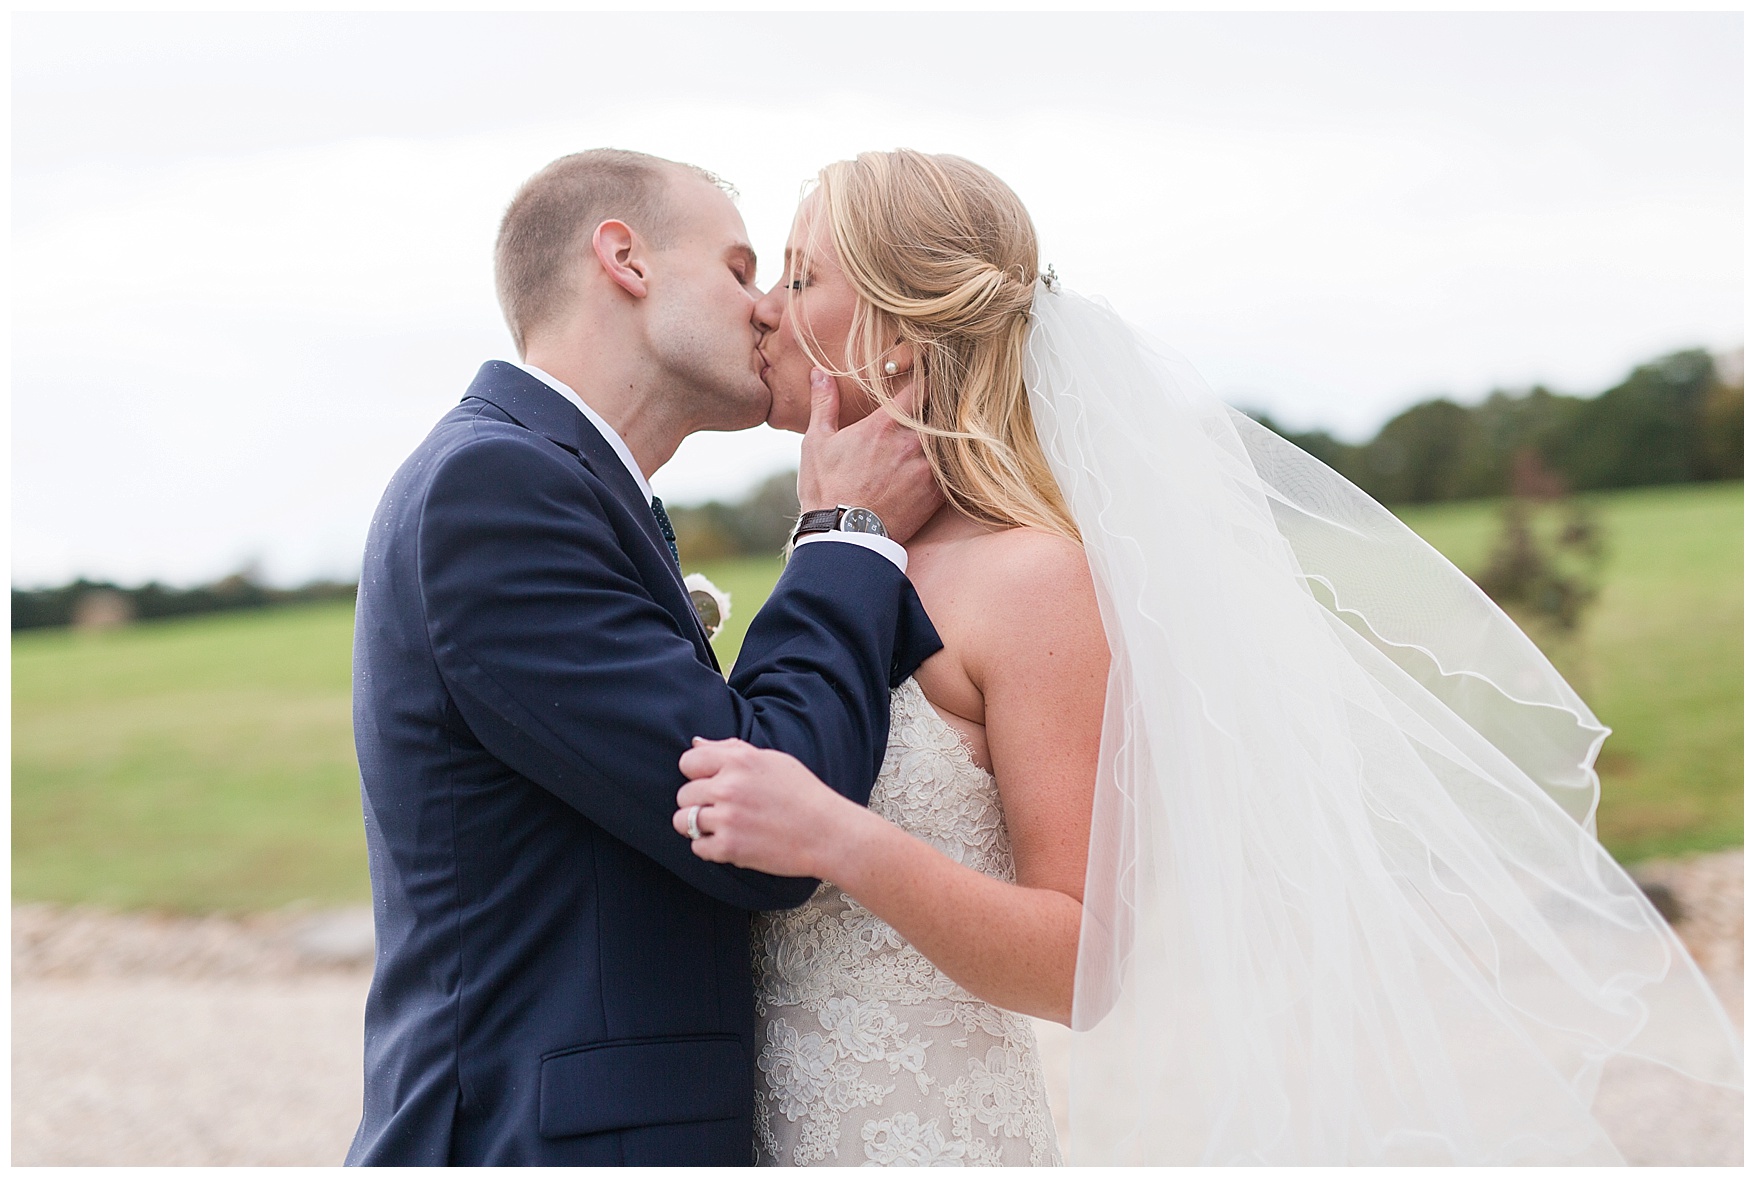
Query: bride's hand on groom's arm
(876, 463)
(763, 810)
(1011, 944)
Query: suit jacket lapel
(537, 407)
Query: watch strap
(822, 520)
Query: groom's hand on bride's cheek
(877, 463)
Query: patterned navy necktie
(665, 529)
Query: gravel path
(185, 1072)
(158, 1041)
(149, 1040)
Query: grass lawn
(196, 765)
(207, 764)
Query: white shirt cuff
(882, 545)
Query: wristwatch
(840, 519)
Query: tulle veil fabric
(1345, 903)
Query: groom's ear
(619, 251)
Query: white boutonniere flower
(712, 604)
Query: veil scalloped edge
(1345, 903)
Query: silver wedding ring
(694, 823)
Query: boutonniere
(712, 604)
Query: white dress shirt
(882, 545)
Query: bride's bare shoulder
(1005, 597)
(1031, 590)
(1027, 561)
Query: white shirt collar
(609, 435)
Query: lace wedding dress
(868, 1055)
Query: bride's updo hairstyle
(942, 255)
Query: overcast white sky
(251, 252)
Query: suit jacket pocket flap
(644, 1082)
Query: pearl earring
(891, 368)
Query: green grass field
(208, 764)
(201, 764)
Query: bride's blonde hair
(942, 255)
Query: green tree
(756, 525)
(1721, 421)
(1678, 419)
(1422, 454)
(1647, 430)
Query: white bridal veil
(1345, 903)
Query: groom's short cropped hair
(540, 235)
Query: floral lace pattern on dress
(868, 1055)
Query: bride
(1220, 765)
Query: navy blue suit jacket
(559, 980)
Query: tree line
(756, 525)
(105, 603)
(1677, 419)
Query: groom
(559, 980)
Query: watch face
(861, 520)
